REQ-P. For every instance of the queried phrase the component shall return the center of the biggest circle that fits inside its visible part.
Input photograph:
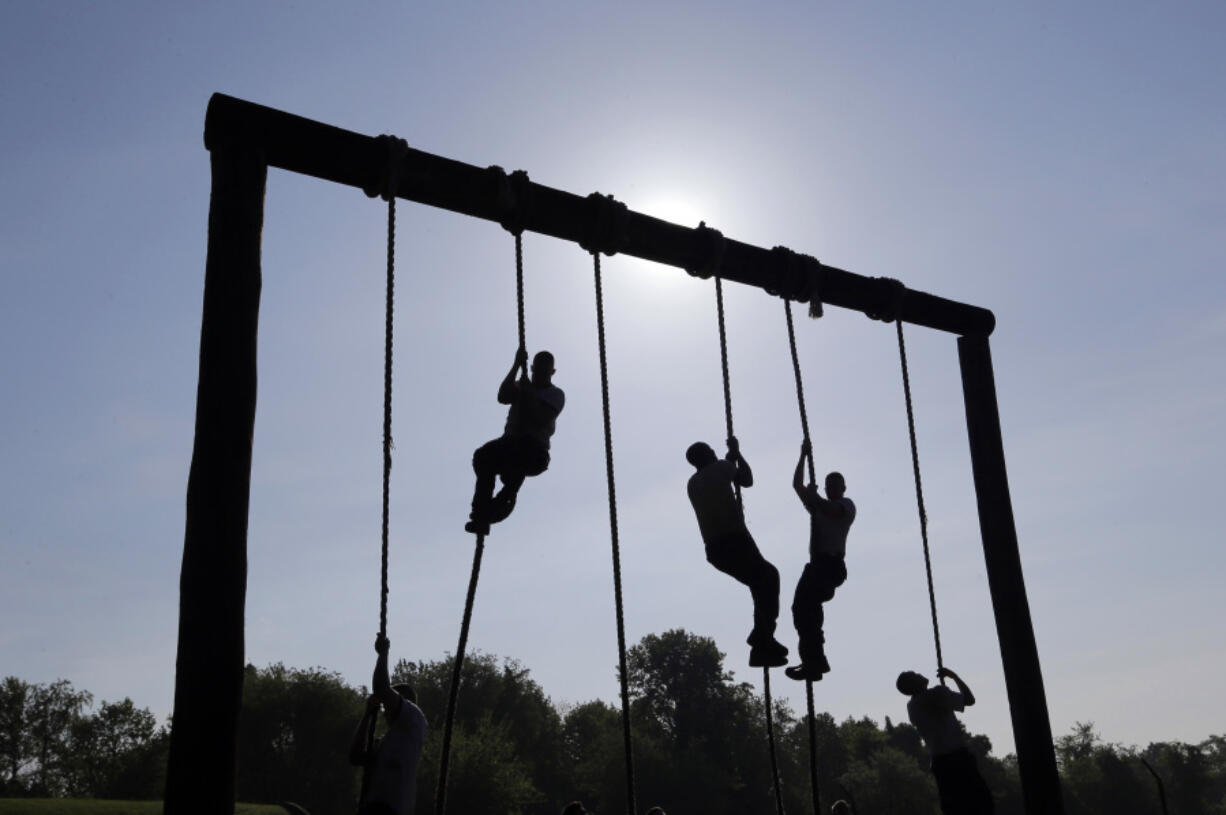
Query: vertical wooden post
(200, 777)
(1019, 654)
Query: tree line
(699, 741)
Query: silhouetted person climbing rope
(931, 710)
(730, 547)
(523, 448)
(389, 783)
(829, 520)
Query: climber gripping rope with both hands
(523, 448)
(729, 546)
(830, 518)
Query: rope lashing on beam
(603, 217)
(797, 277)
(608, 225)
(384, 180)
(890, 294)
(708, 254)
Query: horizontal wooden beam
(301, 145)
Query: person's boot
(501, 505)
(813, 669)
(767, 653)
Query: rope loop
(385, 181)
(890, 295)
(511, 198)
(608, 225)
(797, 277)
(788, 283)
(708, 254)
(813, 273)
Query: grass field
(90, 806)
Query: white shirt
(393, 774)
(829, 535)
(534, 411)
(932, 713)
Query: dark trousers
(821, 576)
(737, 556)
(512, 458)
(960, 786)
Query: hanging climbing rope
(804, 427)
(919, 498)
(511, 199)
(386, 187)
(707, 265)
(607, 234)
(800, 277)
(891, 311)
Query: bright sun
(673, 209)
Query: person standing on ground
(389, 782)
(959, 784)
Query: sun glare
(673, 209)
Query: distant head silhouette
(542, 368)
(700, 454)
(836, 486)
(910, 683)
(655, 811)
(574, 808)
(406, 691)
(840, 807)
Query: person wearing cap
(389, 783)
(523, 448)
(830, 518)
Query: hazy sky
(1064, 167)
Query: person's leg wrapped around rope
(487, 464)
(737, 556)
(816, 586)
(510, 459)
